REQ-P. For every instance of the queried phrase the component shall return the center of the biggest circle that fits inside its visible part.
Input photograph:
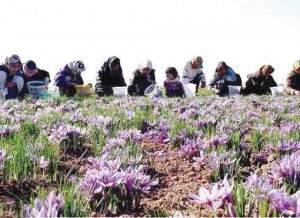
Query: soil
(177, 176)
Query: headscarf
(145, 64)
(296, 65)
(13, 59)
(76, 67)
(266, 68)
(221, 64)
(107, 66)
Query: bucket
(120, 91)
(276, 91)
(234, 90)
(35, 88)
(151, 91)
(189, 90)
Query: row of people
(14, 77)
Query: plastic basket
(83, 89)
(35, 88)
(120, 91)
(151, 91)
(46, 95)
(276, 91)
(234, 90)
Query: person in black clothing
(260, 82)
(32, 73)
(110, 75)
(142, 77)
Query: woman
(68, 77)
(223, 77)
(141, 79)
(193, 72)
(260, 82)
(292, 86)
(110, 75)
(32, 73)
(11, 78)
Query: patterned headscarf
(76, 67)
(13, 59)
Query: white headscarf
(76, 67)
(145, 64)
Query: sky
(246, 34)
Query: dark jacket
(260, 82)
(106, 79)
(140, 82)
(293, 83)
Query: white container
(189, 90)
(35, 88)
(120, 91)
(276, 91)
(151, 91)
(234, 90)
(185, 80)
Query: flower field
(135, 156)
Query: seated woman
(172, 84)
(142, 77)
(68, 77)
(11, 78)
(110, 75)
(223, 77)
(32, 73)
(260, 82)
(292, 86)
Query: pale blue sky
(244, 33)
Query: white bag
(189, 90)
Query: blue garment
(222, 82)
(229, 75)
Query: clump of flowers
(65, 132)
(110, 186)
(6, 130)
(48, 207)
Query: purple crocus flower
(212, 197)
(288, 169)
(2, 156)
(216, 196)
(284, 204)
(43, 163)
(49, 207)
